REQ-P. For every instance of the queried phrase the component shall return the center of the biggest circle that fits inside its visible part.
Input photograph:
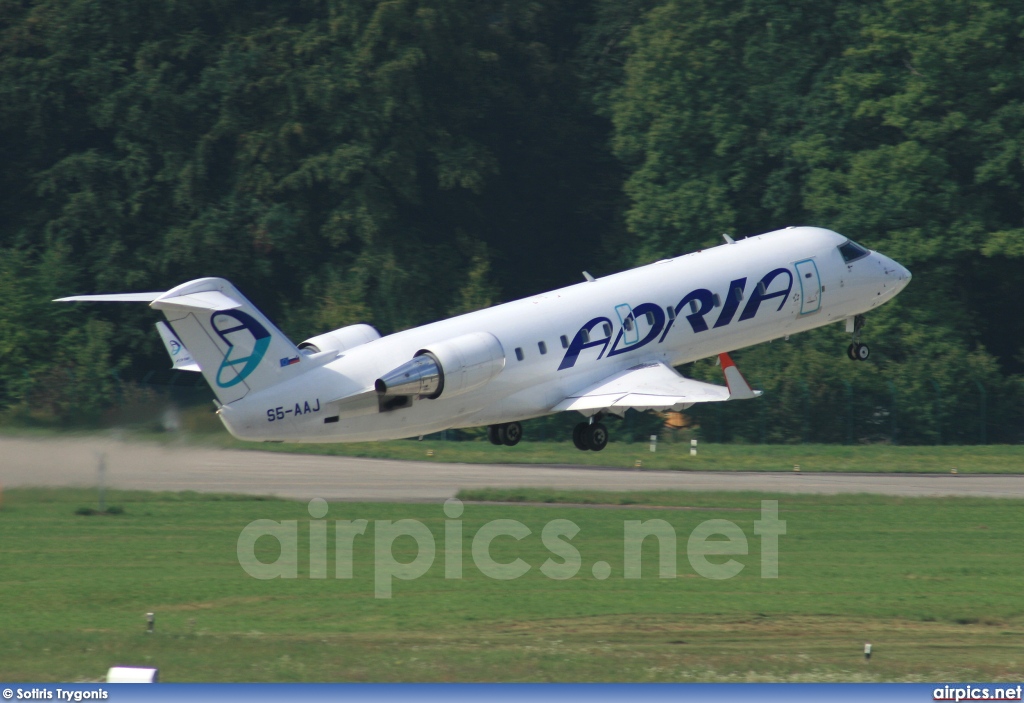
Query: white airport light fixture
(867, 651)
(150, 623)
(693, 447)
(654, 442)
(132, 674)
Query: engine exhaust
(421, 376)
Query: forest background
(395, 162)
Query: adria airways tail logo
(247, 342)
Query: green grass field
(933, 584)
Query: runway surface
(75, 461)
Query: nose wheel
(857, 351)
(590, 436)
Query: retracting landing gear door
(810, 286)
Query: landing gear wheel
(510, 434)
(577, 436)
(857, 351)
(596, 436)
(492, 435)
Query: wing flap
(657, 386)
(646, 386)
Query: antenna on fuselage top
(728, 239)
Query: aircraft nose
(894, 270)
(903, 274)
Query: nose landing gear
(857, 351)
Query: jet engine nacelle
(450, 367)
(340, 340)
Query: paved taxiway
(74, 462)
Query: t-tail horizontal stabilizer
(237, 349)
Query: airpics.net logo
(710, 547)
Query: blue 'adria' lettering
(731, 302)
(696, 317)
(583, 341)
(700, 303)
(761, 293)
(639, 312)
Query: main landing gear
(508, 434)
(857, 351)
(587, 436)
(591, 435)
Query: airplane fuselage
(674, 311)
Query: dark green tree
(896, 123)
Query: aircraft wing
(656, 386)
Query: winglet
(739, 389)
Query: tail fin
(238, 350)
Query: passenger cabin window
(607, 329)
(585, 336)
(851, 251)
(565, 341)
(627, 324)
(519, 353)
(650, 319)
(542, 347)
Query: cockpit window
(852, 251)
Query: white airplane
(598, 347)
